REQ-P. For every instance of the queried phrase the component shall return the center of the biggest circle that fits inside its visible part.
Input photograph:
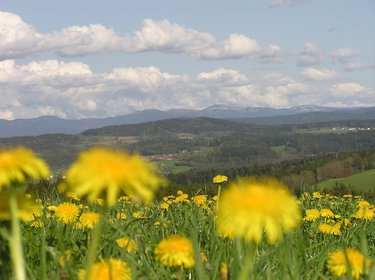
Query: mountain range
(256, 115)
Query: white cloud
(270, 54)
(348, 89)
(223, 76)
(310, 55)
(6, 115)
(319, 75)
(19, 39)
(281, 3)
(356, 67)
(72, 90)
(342, 55)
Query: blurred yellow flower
(121, 216)
(175, 251)
(64, 257)
(137, 214)
(224, 271)
(250, 208)
(363, 204)
(72, 195)
(67, 212)
(364, 214)
(52, 208)
(89, 219)
(101, 170)
(19, 164)
(130, 245)
(317, 195)
(203, 257)
(339, 261)
(312, 215)
(164, 206)
(111, 269)
(28, 209)
(218, 179)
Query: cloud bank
(73, 90)
(19, 39)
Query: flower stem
(15, 242)
(248, 263)
(92, 250)
(218, 197)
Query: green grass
(364, 181)
(171, 166)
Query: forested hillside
(192, 150)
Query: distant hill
(293, 115)
(315, 117)
(200, 143)
(169, 126)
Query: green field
(364, 181)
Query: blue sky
(77, 59)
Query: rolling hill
(293, 115)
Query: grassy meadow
(362, 181)
(65, 228)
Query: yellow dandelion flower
(64, 257)
(127, 243)
(250, 208)
(363, 204)
(325, 212)
(28, 209)
(312, 215)
(317, 195)
(124, 198)
(203, 257)
(157, 224)
(36, 224)
(324, 228)
(199, 200)
(164, 206)
(364, 214)
(339, 261)
(347, 196)
(30, 215)
(89, 219)
(102, 170)
(224, 271)
(181, 198)
(111, 269)
(137, 214)
(336, 229)
(52, 208)
(218, 179)
(121, 216)
(179, 192)
(19, 164)
(329, 229)
(346, 222)
(175, 251)
(67, 213)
